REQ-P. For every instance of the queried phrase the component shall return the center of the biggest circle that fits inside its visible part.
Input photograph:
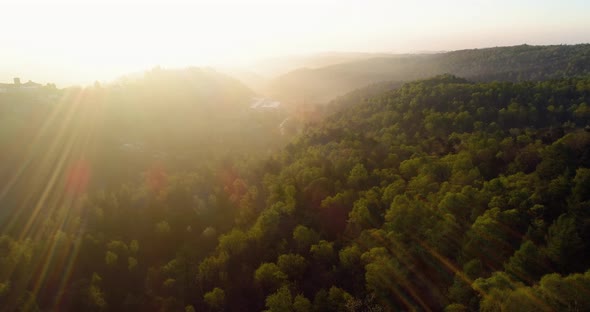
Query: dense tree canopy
(442, 194)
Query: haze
(75, 42)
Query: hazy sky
(71, 42)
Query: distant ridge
(515, 63)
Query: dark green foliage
(215, 299)
(441, 195)
(447, 183)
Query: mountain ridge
(515, 63)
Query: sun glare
(295, 155)
(90, 40)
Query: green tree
(111, 258)
(269, 276)
(564, 245)
(527, 263)
(280, 301)
(215, 299)
(323, 252)
(304, 237)
(293, 265)
(358, 176)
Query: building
(18, 86)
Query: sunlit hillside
(518, 63)
(294, 156)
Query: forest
(319, 84)
(169, 193)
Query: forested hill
(59, 144)
(165, 116)
(442, 194)
(517, 63)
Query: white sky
(71, 42)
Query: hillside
(259, 74)
(273, 67)
(295, 156)
(444, 193)
(517, 63)
(441, 194)
(86, 140)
